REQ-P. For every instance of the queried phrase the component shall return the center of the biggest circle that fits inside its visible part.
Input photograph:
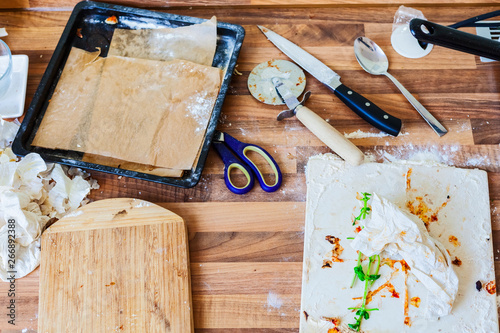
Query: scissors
(234, 155)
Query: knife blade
(356, 102)
(335, 140)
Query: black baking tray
(89, 17)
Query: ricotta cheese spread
(404, 236)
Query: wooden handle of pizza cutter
(330, 136)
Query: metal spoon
(373, 60)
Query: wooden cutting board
(116, 265)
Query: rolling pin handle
(330, 136)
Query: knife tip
(263, 29)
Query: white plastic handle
(330, 136)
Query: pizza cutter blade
(278, 82)
(260, 82)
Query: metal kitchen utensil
(278, 74)
(359, 104)
(491, 32)
(261, 87)
(373, 60)
(429, 32)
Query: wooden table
(246, 251)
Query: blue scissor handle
(230, 163)
(241, 149)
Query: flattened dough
(152, 112)
(67, 117)
(332, 191)
(195, 43)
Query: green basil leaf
(353, 326)
(358, 270)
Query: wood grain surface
(246, 251)
(116, 265)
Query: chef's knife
(318, 126)
(360, 105)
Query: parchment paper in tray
(195, 43)
(152, 112)
(137, 167)
(139, 114)
(67, 117)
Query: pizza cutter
(278, 82)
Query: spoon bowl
(370, 56)
(373, 60)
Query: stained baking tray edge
(22, 143)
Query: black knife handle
(455, 39)
(368, 110)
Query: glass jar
(5, 68)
